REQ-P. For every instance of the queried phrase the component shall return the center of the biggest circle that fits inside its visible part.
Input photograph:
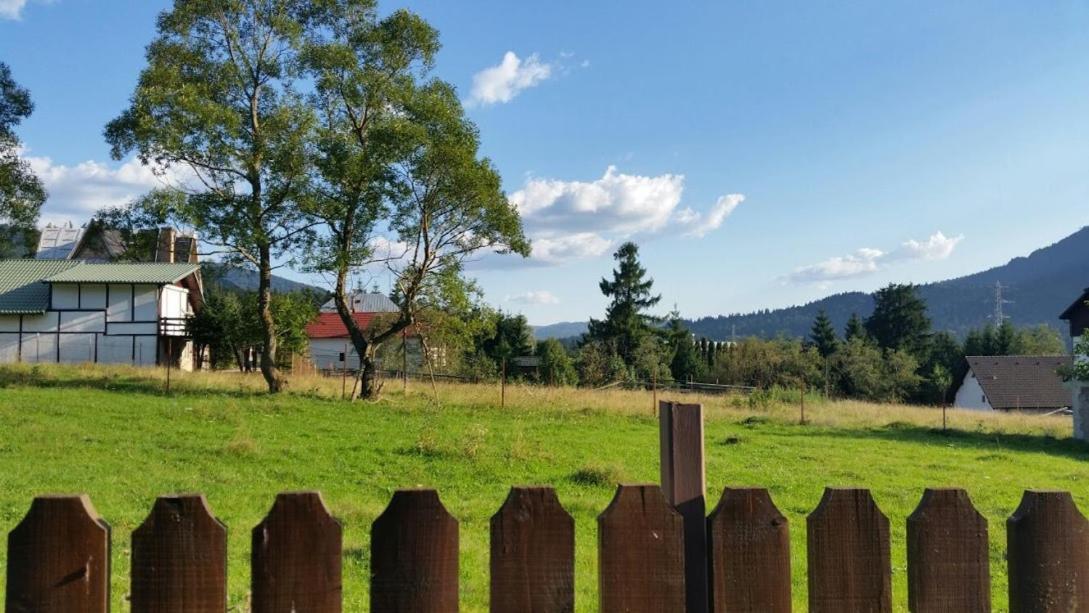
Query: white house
(331, 348)
(112, 313)
(1014, 383)
(1077, 315)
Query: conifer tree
(823, 335)
(626, 322)
(855, 328)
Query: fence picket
(849, 563)
(296, 557)
(414, 555)
(641, 553)
(1048, 551)
(179, 558)
(749, 550)
(948, 564)
(59, 558)
(532, 554)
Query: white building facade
(65, 311)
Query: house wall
(970, 395)
(114, 324)
(1080, 409)
(325, 354)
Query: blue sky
(762, 154)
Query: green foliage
(557, 367)
(855, 328)
(823, 335)
(598, 365)
(510, 337)
(21, 192)
(218, 102)
(626, 322)
(1007, 339)
(899, 321)
(765, 364)
(1080, 370)
(686, 363)
(862, 370)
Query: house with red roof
(331, 348)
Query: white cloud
(937, 247)
(501, 83)
(77, 192)
(13, 9)
(559, 249)
(616, 202)
(534, 297)
(568, 220)
(867, 261)
(699, 224)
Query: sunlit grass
(114, 434)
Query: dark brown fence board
(641, 553)
(683, 483)
(532, 554)
(414, 556)
(749, 548)
(849, 564)
(179, 558)
(296, 557)
(948, 564)
(59, 558)
(1048, 552)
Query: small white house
(1014, 383)
(76, 311)
(331, 348)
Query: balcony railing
(174, 326)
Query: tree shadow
(985, 441)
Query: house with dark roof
(1015, 383)
(364, 302)
(1077, 315)
(63, 310)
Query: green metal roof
(22, 289)
(88, 272)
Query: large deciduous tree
(218, 99)
(21, 192)
(396, 164)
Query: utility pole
(999, 301)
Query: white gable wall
(970, 395)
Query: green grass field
(115, 436)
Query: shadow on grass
(34, 376)
(984, 441)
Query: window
(984, 398)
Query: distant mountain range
(1038, 288)
(244, 279)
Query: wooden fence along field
(657, 551)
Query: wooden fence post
(683, 483)
(849, 561)
(948, 564)
(296, 563)
(532, 554)
(748, 544)
(179, 558)
(414, 556)
(59, 558)
(640, 553)
(1048, 551)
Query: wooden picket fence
(58, 556)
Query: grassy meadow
(115, 435)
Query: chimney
(165, 251)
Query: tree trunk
(269, 370)
(368, 376)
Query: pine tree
(685, 364)
(626, 322)
(855, 328)
(823, 335)
(899, 320)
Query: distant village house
(1015, 383)
(331, 348)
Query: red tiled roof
(329, 325)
